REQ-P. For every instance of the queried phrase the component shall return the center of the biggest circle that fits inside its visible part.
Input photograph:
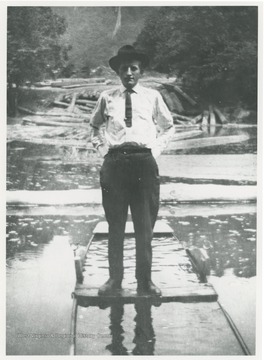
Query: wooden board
(238, 167)
(177, 210)
(160, 228)
(170, 193)
(87, 296)
(210, 141)
(172, 273)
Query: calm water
(40, 269)
(43, 167)
(40, 257)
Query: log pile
(176, 100)
(184, 109)
(66, 123)
(71, 83)
(84, 101)
(57, 136)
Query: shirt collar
(136, 88)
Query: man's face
(129, 73)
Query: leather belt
(130, 150)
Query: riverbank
(42, 98)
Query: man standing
(129, 174)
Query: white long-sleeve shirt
(152, 123)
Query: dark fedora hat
(127, 53)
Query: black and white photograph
(132, 173)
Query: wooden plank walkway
(172, 273)
(188, 321)
(160, 228)
(87, 296)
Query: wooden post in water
(73, 327)
(200, 261)
(220, 116)
(78, 269)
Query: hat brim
(115, 61)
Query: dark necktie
(128, 114)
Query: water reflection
(144, 335)
(23, 233)
(229, 239)
(116, 330)
(144, 332)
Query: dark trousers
(130, 179)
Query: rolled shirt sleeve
(97, 120)
(164, 121)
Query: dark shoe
(148, 288)
(110, 287)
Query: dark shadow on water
(116, 318)
(144, 335)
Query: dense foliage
(90, 32)
(34, 49)
(213, 49)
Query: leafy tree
(34, 48)
(213, 49)
(90, 31)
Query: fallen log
(77, 81)
(89, 95)
(176, 102)
(63, 104)
(186, 134)
(170, 193)
(51, 123)
(187, 126)
(40, 113)
(205, 118)
(179, 122)
(87, 103)
(175, 210)
(176, 88)
(90, 98)
(18, 132)
(82, 85)
(85, 108)
(57, 119)
(205, 142)
(183, 94)
(166, 97)
(230, 168)
(197, 119)
(182, 117)
(220, 116)
(212, 122)
(78, 144)
(212, 119)
(71, 107)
